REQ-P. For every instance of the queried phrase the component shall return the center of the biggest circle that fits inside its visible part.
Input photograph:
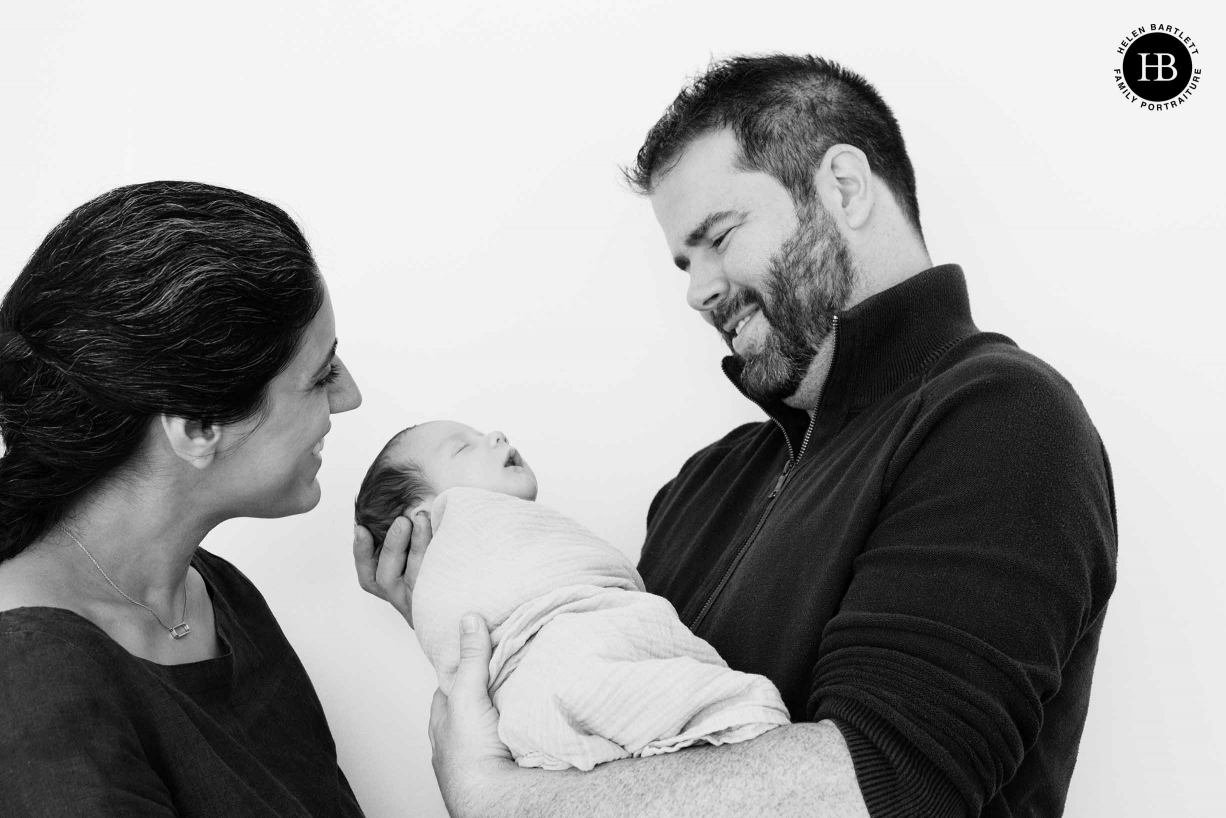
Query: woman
(167, 362)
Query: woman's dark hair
(173, 298)
(390, 487)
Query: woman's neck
(141, 536)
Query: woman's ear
(193, 440)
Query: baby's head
(425, 460)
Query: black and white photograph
(611, 409)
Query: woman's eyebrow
(328, 361)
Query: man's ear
(844, 184)
(193, 440)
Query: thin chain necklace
(177, 632)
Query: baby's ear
(419, 513)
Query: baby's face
(452, 455)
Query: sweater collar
(883, 342)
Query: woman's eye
(334, 372)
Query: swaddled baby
(587, 667)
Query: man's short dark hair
(391, 486)
(786, 111)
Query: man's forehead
(699, 184)
(718, 149)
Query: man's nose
(708, 286)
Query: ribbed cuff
(895, 779)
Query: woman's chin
(305, 499)
(312, 497)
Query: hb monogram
(1161, 65)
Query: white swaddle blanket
(587, 667)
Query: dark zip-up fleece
(933, 571)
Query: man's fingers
(472, 676)
(417, 548)
(422, 533)
(364, 558)
(464, 724)
(392, 558)
(438, 712)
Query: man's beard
(808, 282)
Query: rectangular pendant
(180, 630)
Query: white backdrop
(456, 169)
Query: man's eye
(718, 242)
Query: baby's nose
(497, 438)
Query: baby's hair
(388, 489)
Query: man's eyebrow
(328, 361)
(699, 233)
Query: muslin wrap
(587, 667)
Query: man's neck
(871, 279)
(809, 393)
(880, 266)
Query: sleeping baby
(587, 667)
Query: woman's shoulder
(220, 572)
(227, 584)
(237, 602)
(37, 642)
(74, 712)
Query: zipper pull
(779, 482)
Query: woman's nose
(344, 394)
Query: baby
(587, 667)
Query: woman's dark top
(87, 729)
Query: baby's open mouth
(512, 459)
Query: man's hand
(468, 755)
(392, 573)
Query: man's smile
(748, 331)
(733, 325)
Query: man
(917, 547)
